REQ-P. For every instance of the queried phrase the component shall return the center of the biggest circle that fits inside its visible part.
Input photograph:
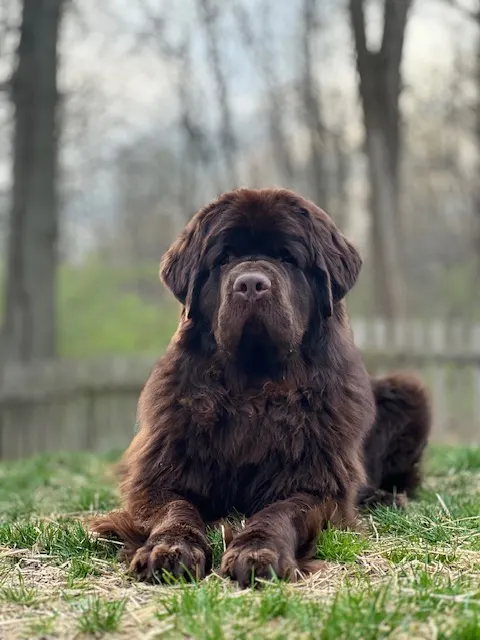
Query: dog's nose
(252, 285)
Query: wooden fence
(92, 405)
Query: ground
(404, 574)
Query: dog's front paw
(167, 556)
(248, 560)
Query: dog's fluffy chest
(287, 425)
(227, 450)
(256, 449)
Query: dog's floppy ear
(180, 267)
(336, 262)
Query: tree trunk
(29, 329)
(380, 85)
(388, 284)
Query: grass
(105, 310)
(100, 615)
(102, 311)
(412, 573)
(19, 594)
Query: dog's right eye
(225, 258)
(287, 257)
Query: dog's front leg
(177, 544)
(276, 538)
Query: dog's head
(257, 268)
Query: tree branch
(395, 20)
(209, 13)
(357, 19)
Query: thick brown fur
(261, 403)
(396, 443)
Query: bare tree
(29, 329)
(197, 150)
(209, 14)
(261, 54)
(380, 85)
(196, 146)
(311, 104)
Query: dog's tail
(403, 391)
(121, 526)
(404, 416)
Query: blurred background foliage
(145, 110)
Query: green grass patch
(405, 554)
(215, 538)
(59, 482)
(405, 572)
(212, 611)
(41, 627)
(444, 460)
(340, 546)
(104, 310)
(100, 615)
(19, 593)
(79, 570)
(62, 540)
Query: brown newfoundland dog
(261, 403)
